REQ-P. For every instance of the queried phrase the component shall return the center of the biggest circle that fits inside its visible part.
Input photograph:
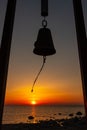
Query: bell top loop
(44, 23)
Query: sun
(33, 102)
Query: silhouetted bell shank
(44, 44)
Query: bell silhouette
(44, 44)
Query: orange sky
(43, 95)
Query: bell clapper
(32, 90)
(44, 60)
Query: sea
(14, 114)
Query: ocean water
(20, 114)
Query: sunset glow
(33, 102)
(42, 95)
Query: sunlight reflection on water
(20, 114)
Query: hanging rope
(44, 60)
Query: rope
(44, 60)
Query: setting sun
(33, 102)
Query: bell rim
(44, 52)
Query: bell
(44, 44)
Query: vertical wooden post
(82, 45)
(5, 51)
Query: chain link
(44, 23)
